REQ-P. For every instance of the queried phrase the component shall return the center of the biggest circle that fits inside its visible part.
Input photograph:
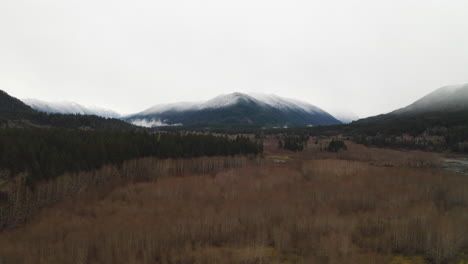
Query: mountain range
(235, 109)
(240, 109)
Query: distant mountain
(69, 108)
(345, 117)
(446, 103)
(446, 99)
(236, 109)
(16, 114)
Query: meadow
(364, 205)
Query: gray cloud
(366, 56)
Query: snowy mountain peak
(65, 107)
(227, 100)
(236, 108)
(286, 103)
(217, 102)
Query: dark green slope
(10, 104)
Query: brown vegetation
(361, 206)
(20, 202)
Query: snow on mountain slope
(233, 98)
(285, 103)
(69, 108)
(235, 109)
(225, 100)
(217, 102)
(182, 106)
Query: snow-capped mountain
(235, 109)
(69, 108)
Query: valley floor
(361, 206)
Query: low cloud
(152, 123)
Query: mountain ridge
(448, 99)
(16, 114)
(66, 107)
(12, 104)
(235, 109)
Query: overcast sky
(367, 57)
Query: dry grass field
(362, 206)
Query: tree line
(69, 121)
(416, 131)
(47, 153)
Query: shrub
(337, 145)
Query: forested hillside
(437, 131)
(70, 121)
(11, 104)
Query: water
(459, 165)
